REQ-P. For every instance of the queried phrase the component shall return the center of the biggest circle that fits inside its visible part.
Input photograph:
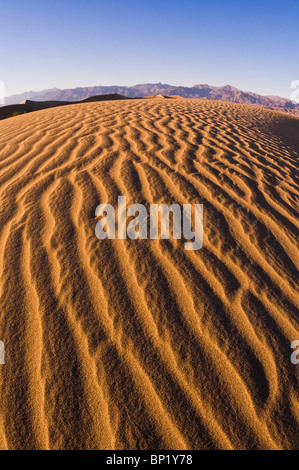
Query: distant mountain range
(224, 93)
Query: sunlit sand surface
(120, 344)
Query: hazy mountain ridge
(224, 93)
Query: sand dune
(120, 344)
(28, 106)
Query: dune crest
(119, 344)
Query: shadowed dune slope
(120, 344)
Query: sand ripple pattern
(121, 344)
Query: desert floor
(122, 344)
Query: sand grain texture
(120, 344)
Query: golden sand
(120, 344)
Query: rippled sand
(120, 344)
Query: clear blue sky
(253, 45)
